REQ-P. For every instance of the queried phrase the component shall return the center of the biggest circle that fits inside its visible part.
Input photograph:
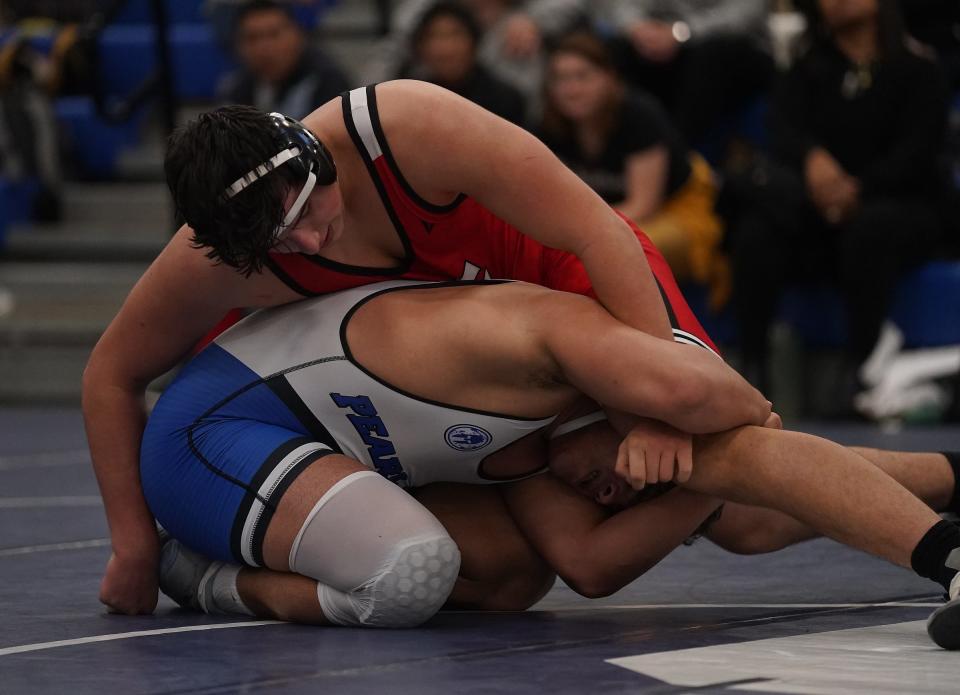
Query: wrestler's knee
(749, 530)
(395, 568)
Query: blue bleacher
(16, 203)
(926, 307)
(139, 12)
(128, 56)
(96, 144)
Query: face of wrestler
(585, 459)
(270, 44)
(446, 50)
(578, 88)
(843, 14)
(319, 225)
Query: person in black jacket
(279, 71)
(852, 191)
(444, 49)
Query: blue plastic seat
(926, 308)
(16, 203)
(128, 56)
(96, 144)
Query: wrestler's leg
(343, 546)
(749, 529)
(824, 485)
(499, 569)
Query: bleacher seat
(140, 12)
(16, 203)
(96, 144)
(198, 64)
(926, 308)
(128, 56)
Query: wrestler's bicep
(616, 365)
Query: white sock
(224, 592)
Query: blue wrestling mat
(817, 618)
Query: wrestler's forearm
(628, 544)
(724, 399)
(597, 554)
(685, 386)
(623, 280)
(114, 419)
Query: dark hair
(891, 27)
(255, 6)
(588, 46)
(208, 154)
(455, 11)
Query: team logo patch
(467, 437)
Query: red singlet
(459, 241)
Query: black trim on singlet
(263, 523)
(671, 314)
(395, 168)
(349, 354)
(290, 398)
(243, 510)
(287, 280)
(675, 323)
(518, 476)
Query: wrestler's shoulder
(412, 103)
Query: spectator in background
(444, 48)
(852, 192)
(702, 58)
(511, 46)
(29, 145)
(280, 70)
(622, 144)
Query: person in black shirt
(623, 145)
(852, 192)
(280, 70)
(444, 49)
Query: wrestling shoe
(943, 625)
(186, 576)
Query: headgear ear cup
(299, 149)
(313, 155)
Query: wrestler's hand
(654, 452)
(130, 583)
(774, 422)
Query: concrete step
(51, 315)
(61, 303)
(117, 202)
(101, 222)
(97, 243)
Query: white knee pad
(380, 558)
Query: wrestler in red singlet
(462, 240)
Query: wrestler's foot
(943, 625)
(187, 577)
